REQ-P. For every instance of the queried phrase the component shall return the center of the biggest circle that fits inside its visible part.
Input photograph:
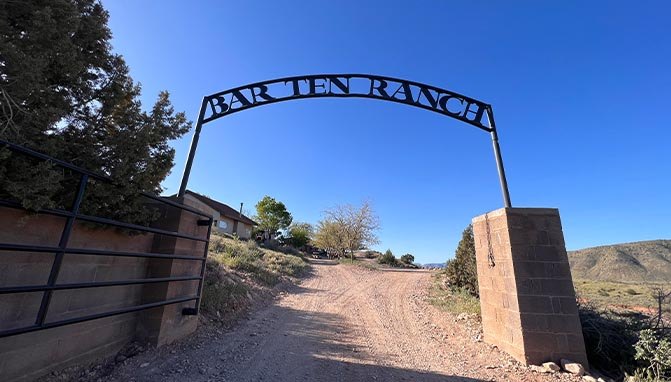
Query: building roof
(222, 208)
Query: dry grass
(616, 295)
(371, 265)
(450, 299)
(613, 315)
(264, 265)
(230, 266)
(222, 292)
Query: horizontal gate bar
(93, 252)
(175, 204)
(136, 227)
(48, 325)
(115, 223)
(63, 250)
(39, 288)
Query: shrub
(654, 349)
(221, 293)
(407, 259)
(388, 258)
(610, 338)
(456, 287)
(285, 265)
(362, 264)
(372, 254)
(452, 299)
(631, 292)
(274, 245)
(461, 271)
(266, 266)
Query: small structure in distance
(226, 219)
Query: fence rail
(71, 216)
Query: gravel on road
(343, 323)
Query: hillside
(648, 261)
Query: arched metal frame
(445, 102)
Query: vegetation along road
(342, 323)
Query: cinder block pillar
(166, 324)
(526, 291)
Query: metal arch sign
(445, 102)
(411, 93)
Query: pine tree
(462, 271)
(64, 93)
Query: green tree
(407, 258)
(329, 238)
(388, 258)
(64, 93)
(272, 215)
(462, 271)
(348, 229)
(300, 234)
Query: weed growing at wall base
(222, 293)
(450, 299)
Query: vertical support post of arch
(499, 159)
(528, 304)
(192, 151)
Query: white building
(226, 219)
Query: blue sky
(580, 91)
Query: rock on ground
(572, 367)
(551, 366)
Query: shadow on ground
(312, 338)
(321, 346)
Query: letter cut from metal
(445, 102)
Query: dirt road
(344, 323)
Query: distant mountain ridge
(433, 265)
(638, 261)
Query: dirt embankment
(343, 323)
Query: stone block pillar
(526, 292)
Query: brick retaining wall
(27, 356)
